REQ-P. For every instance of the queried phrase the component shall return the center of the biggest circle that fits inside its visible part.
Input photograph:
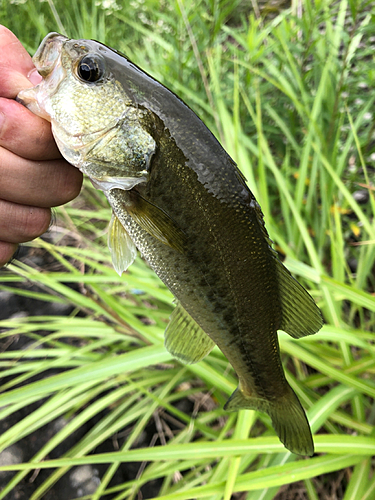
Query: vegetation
(290, 94)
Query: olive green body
(226, 278)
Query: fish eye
(90, 68)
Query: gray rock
(361, 196)
(10, 456)
(85, 480)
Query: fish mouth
(48, 53)
(47, 60)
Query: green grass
(291, 98)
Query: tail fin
(288, 419)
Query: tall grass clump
(290, 94)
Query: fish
(179, 198)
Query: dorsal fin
(300, 315)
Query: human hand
(33, 175)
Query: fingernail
(34, 77)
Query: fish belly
(225, 280)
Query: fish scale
(178, 197)
(222, 232)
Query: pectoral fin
(185, 339)
(122, 248)
(156, 222)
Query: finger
(15, 65)
(24, 133)
(7, 251)
(20, 223)
(13, 53)
(37, 183)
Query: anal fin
(185, 339)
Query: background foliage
(289, 90)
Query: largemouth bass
(179, 198)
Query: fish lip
(48, 53)
(47, 61)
